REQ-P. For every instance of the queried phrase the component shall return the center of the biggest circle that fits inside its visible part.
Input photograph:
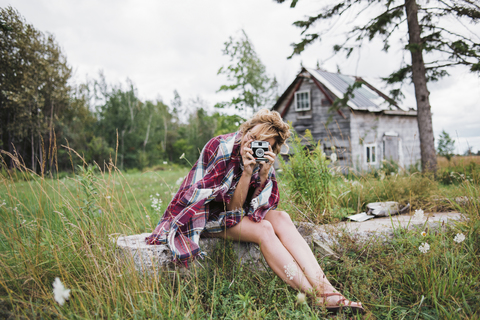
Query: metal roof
(364, 98)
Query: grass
(64, 228)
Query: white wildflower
(333, 157)
(179, 181)
(424, 247)
(419, 215)
(301, 298)
(156, 203)
(290, 270)
(60, 293)
(108, 197)
(424, 233)
(165, 162)
(147, 216)
(24, 221)
(182, 156)
(460, 237)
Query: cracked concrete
(151, 257)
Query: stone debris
(360, 217)
(132, 249)
(322, 238)
(380, 209)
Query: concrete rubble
(147, 258)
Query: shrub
(307, 176)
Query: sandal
(339, 305)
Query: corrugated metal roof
(364, 98)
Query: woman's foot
(335, 302)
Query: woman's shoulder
(224, 142)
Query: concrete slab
(384, 227)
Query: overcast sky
(164, 46)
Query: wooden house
(369, 129)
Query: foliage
(415, 189)
(247, 76)
(45, 234)
(434, 44)
(446, 145)
(308, 178)
(42, 119)
(459, 172)
(34, 94)
(385, 19)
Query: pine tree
(429, 32)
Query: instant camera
(259, 148)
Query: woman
(228, 194)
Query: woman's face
(253, 134)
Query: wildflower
(333, 157)
(182, 156)
(156, 203)
(424, 247)
(418, 214)
(108, 197)
(60, 293)
(24, 221)
(301, 298)
(424, 233)
(460, 237)
(165, 162)
(290, 270)
(147, 216)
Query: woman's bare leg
(301, 252)
(274, 252)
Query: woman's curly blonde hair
(272, 126)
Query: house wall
(329, 127)
(370, 128)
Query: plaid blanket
(205, 191)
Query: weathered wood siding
(329, 127)
(370, 128)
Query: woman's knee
(281, 219)
(265, 231)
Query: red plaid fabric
(203, 194)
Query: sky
(164, 46)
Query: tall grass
(66, 227)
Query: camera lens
(260, 153)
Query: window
(371, 154)
(302, 101)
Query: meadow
(66, 226)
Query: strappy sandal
(339, 305)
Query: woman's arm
(264, 170)
(241, 191)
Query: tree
(34, 93)
(446, 145)
(247, 77)
(428, 27)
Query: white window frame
(309, 100)
(369, 152)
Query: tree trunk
(148, 132)
(123, 149)
(33, 152)
(424, 117)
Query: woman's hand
(265, 166)
(247, 155)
